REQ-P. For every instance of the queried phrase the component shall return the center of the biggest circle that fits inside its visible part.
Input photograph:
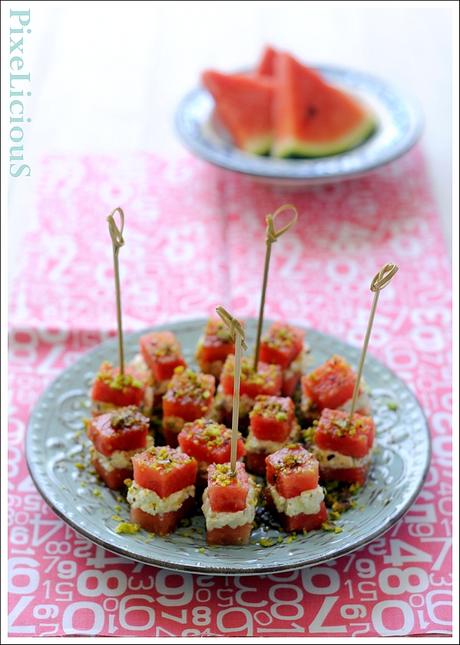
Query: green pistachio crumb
(127, 527)
(80, 466)
(96, 492)
(201, 549)
(265, 542)
(290, 538)
(392, 405)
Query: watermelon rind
(291, 147)
(258, 145)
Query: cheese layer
(233, 520)
(149, 502)
(262, 445)
(308, 502)
(332, 459)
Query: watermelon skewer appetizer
(116, 387)
(331, 385)
(161, 353)
(116, 437)
(214, 347)
(293, 493)
(189, 396)
(230, 499)
(209, 443)
(163, 488)
(343, 447)
(283, 345)
(272, 426)
(343, 440)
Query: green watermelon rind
(258, 145)
(291, 147)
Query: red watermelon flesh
(244, 106)
(310, 117)
(266, 66)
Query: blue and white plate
(56, 448)
(399, 126)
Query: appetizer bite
(331, 386)
(161, 353)
(188, 397)
(208, 442)
(116, 437)
(111, 390)
(229, 504)
(163, 488)
(343, 449)
(283, 345)
(272, 424)
(266, 380)
(214, 347)
(292, 492)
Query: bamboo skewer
(272, 236)
(237, 333)
(380, 281)
(116, 235)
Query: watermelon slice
(266, 67)
(310, 117)
(244, 106)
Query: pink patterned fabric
(194, 239)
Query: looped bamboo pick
(379, 282)
(237, 333)
(272, 235)
(116, 235)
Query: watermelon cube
(292, 470)
(266, 380)
(164, 470)
(334, 433)
(116, 390)
(227, 491)
(330, 385)
(214, 347)
(281, 345)
(271, 418)
(162, 353)
(208, 441)
(122, 429)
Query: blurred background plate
(56, 448)
(399, 127)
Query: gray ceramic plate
(55, 444)
(399, 127)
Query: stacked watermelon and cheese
(116, 437)
(214, 347)
(161, 353)
(287, 109)
(267, 379)
(229, 504)
(293, 492)
(163, 488)
(283, 345)
(331, 385)
(343, 448)
(208, 442)
(272, 425)
(189, 396)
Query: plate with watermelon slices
(290, 124)
(61, 463)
